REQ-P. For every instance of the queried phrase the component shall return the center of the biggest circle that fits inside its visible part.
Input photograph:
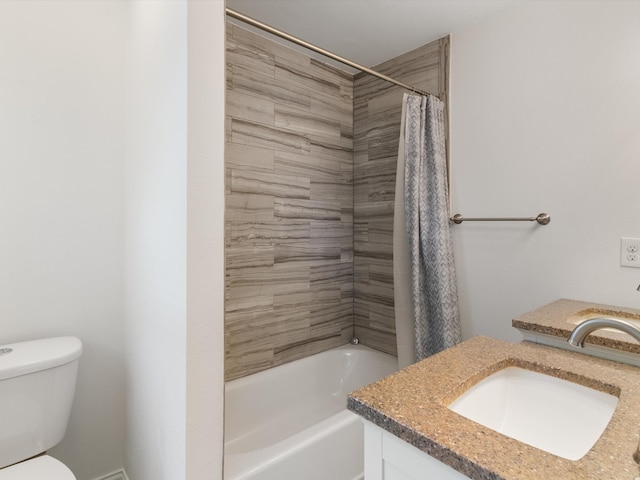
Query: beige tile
(262, 183)
(250, 56)
(301, 120)
(263, 86)
(315, 167)
(301, 224)
(306, 209)
(263, 136)
(243, 157)
(247, 107)
(249, 208)
(238, 257)
(244, 235)
(302, 77)
(310, 255)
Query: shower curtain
(426, 298)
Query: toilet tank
(37, 385)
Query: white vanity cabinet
(386, 457)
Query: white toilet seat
(39, 468)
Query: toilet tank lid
(31, 356)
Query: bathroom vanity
(551, 325)
(412, 433)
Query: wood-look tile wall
(309, 200)
(289, 205)
(377, 112)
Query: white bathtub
(290, 422)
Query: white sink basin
(548, 413)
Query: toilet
(37, 385)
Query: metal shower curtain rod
(267, 28)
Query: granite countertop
(412, 404)
(559, 318)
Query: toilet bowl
(37, 386)
(43, 467)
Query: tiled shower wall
(290, 200)
(289, 205)
(377, 112)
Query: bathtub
(290, 422)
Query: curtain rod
(263, 26)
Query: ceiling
(369, 32)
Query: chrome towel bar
(542, 219)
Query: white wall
(545, 112)
(64, 98)
(61, 150)
(205, 248)
(155, 242)
(174, 241)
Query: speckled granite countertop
(559, 319)
(412, 404)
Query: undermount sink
(554, 415)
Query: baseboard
(118, 475)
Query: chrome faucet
(581, 332)
(585, 328)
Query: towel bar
(542, 219)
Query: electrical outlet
(629, 252)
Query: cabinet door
(391, 472)
(389, 458)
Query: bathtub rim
(236, 382)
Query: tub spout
(581, 332)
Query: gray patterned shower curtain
(424, 270)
